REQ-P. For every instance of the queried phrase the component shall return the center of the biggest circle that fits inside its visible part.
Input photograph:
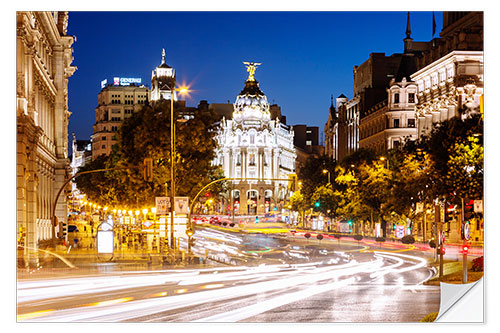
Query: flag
(433, 24)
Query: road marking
(212, 286)
(111, 302)
(32, 315)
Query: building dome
(251, 103)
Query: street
(253, 277)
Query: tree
(465, 168)
(299, 204)
(350, 203)
(147, 134)
(311, 174)
(327, 198)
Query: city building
(81, 154)
(43, 66)
(306, 142)
(115, 103)
(388, 124)
(370, 81)
(254, 145)
(163, 81)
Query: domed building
(258, 149)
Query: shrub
(408, 239)
(432, 244)
(224, 223)
(319, 236)
(358, 237)
(337, 236)
(477, 264)
(380, 239)
(307, 235)
(232, 224)
(431, 317)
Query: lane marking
(32, 315)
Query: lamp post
(326, 171)
(382, 158)
(172, 163)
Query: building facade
(255, 146)
(388, 124)
(115, 103)
(44, 64)
(82, 154)
(451, 86)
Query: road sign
(467, 230)
(181, 205)
(162, 205)
(478, 206)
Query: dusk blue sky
(306, 56)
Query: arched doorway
(252, 197)
(269, 202)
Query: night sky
(306, 56)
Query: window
(396, 123)
(411, 123)
(252, 139)
(103, 138)
(411, 98)
(395, 144)
(115, 111)
(396, 98)
(103, 147)
(308, 143)
(252, 159)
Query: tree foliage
(147, 134)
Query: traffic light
(468, 209)
(191, 241)
(256, 219)
(189, 232)
(148, 169)
(465, 249)
(349, 222)
(317, 204)
(394, 226)
(442, 250)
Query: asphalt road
(264, 278)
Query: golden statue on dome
(251, 66)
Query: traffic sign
(162, 205)
(467, 230)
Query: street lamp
(181, 90)
(326, 171)
(382, 158)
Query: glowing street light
(181, 90)
(326, 171)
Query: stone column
(27, 183)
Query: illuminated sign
(123, 81)
(105, 241)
